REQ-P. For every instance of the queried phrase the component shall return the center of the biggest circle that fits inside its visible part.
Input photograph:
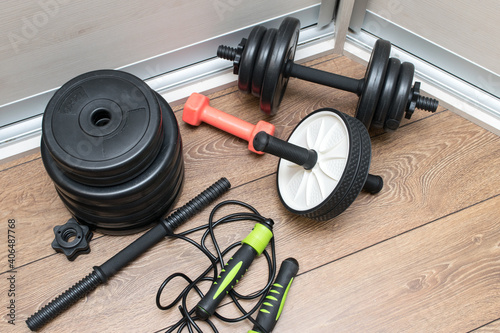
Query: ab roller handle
(272, 308)
(252, 246)
(102, 273)
(197, 110)
(306, 158)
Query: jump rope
(271, 296)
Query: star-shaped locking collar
(72, 239)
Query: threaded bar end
(199, 202)
(63, 301)
(427, 104)
(226, 52)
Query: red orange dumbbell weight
(197, 110)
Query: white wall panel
(468, 28)
(44, 43)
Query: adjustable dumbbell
(323, 165)
(264, 63)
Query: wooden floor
(421, 256)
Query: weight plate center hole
(100, 117)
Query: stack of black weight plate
(113, 149)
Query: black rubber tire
(386, 96)
(275, 82)
(360, 177)
(374, 78)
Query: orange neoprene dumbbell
(197, 110)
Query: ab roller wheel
(343, 148)
(385, 93)
(113, 149)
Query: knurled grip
(64, 301)
(199, 202)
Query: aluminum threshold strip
(454, 93)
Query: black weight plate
(142, 220)
(385, 99)
(348, 172)
(400, 98)
(103, 127)
(150, 194)
(374, 77)
(274, 84)
(133, 190)
(248, 56)
(260, 65)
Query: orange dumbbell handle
(197, 110)
(228, 123)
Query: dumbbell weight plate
(327, 189)
(248, 58)
(103, 127)
(274, 83)
(259, 70)
(374, 78)
(400, 98)
(134, 204)
(386, 96)
(129, 220)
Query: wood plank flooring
(423, 255)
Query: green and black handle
(252, 246)
(271, 309)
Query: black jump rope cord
(187, 319)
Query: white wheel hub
(327, 134)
